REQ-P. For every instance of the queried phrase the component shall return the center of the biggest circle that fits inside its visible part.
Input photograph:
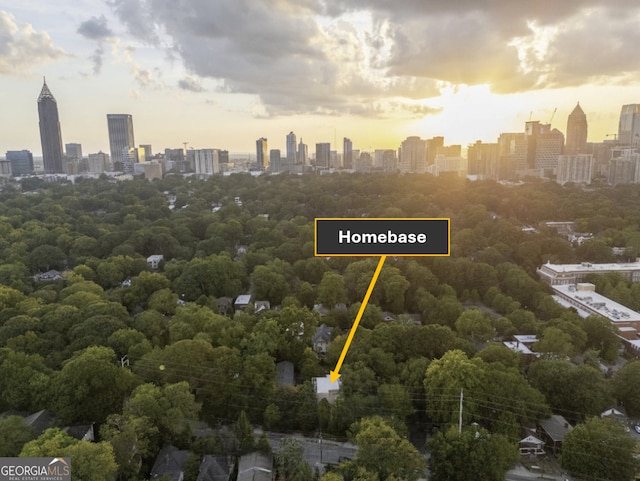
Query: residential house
(553, 431)
(242, 302)
(49, 276)
(531, 445)
(41, 421)
(321, 339)
(154, 261)
(255, 467)
(225, 306)
(215, 468)
(285, 373)
(170, 464)
(260, 306)
(325, 389)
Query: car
(637, 428)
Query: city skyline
(368, 71)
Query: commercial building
(576, 168)
(565, 274)
(577, 130)
(121, 137)
(291, 148)
(50, 135)
(21, 161)
(73, 151)
(347, 153)
(482, 160)
(262, 153)
(207, 162)
(323, 155)
(629, 125)
(413, 155)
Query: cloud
(22, 48)
(368, 57)
(191, 84)
(95, 28)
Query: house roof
(324, 384)
(556, 427)
(214, 468)
(243, 299)
(323, 334)
(531, 440)
(255, 467)
(284, 373)
(170, 463)
(40, 421)
(613, 413)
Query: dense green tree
(15, 433)
(599, 449)
(90, 461)
(626, 386)
(473, 454)
(331, 290)
(383, 451)
(290, 463)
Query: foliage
(473, 454)
(599, 449)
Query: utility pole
(460, 415)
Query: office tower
(50, 136)
(303, 153)
(98, 163)
(448, 164)
(148, 154)
(21, 161)
(364, 162)
(73, 151)
(347, 153)
(512, 154)
(206, 162)
(323, 155)
(291, 148)
(577, 129)
(544, 145)
(624, 166)
(174, 155)
(334, 160)
(629, 125)
(275, 161)
(120, 137)
(433, 145)
(576, 168)
(129, 158)
(413, 155)
(482, 160)
(262, 156)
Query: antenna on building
(185, 146)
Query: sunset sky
(222, 73)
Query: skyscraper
(347, 153)
(629, 125)
(120, 137)
(576, 132)
(21, 161)
(262, 153)
(303, 153)
(291, 148)
(413, 155)
(323, 154)
(73, 151)
(50, 136)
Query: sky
(223, 73)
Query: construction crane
(553, 115)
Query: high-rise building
(483, 160)
(21, 161)
(207, 162)
(413, 155)
(347, 153)
(50, 136)
(120, 137)
(576, 168)
(73, 151)
(148, 154)
(323, 155)
(385, 159)
(629, 125)
(262, 153)
(291, 148)
(624, 166)
(303, 153)
(433, 146)
(275, 161)
(512, 154)
(577, 130)
(98, 163)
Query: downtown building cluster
(538, 151)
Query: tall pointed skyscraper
(50, 136)
(576, 142)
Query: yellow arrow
(335, 374)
